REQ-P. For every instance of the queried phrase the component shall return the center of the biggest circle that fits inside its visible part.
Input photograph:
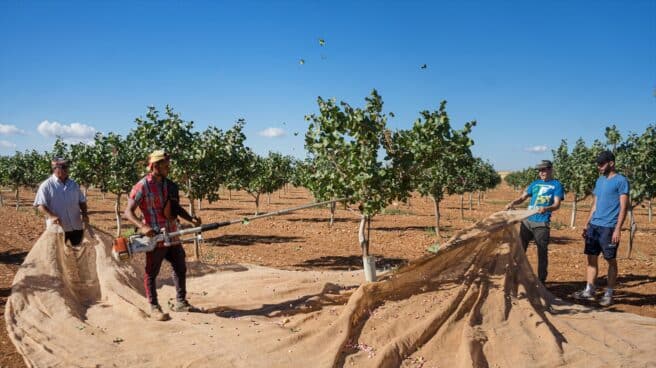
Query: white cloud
(6, 129)
(537, 149)
(7, 144)
(75, 130)
(272, 132)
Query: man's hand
(196, 221)
(54, 220)
(510, 206)
(616, 236)
(584, 234)
(542, 209)
(147, 231)
(85, 218)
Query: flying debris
(301, 61)
(295, 134)
(424, 66)
(322, 42)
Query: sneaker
(606, 300)
(157, 314)
(184, 306)
(584, 295)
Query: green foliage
(577, 170)
(636, 159)
(344, 144)
(519, 180)
(28, 169)
(262, 175)
(440, 155)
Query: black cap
(604, 157)
(545, 164)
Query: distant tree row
(204, 161)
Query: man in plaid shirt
(158, 199)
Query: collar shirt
(62, 198)
(150, 195)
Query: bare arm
(517, 201)
(84, 212)
(555, 206)
(132, 217)
(592, 211)
(624, 206)
(186, 216)
(49, 214)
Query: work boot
(157, 314)
(184, 306)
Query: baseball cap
(156, 156)
(544, 164)
(58, 161)
(605, 156)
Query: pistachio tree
(260, 175)
(576, 170)
(357, 159)
(437, 152)
(120, 168)
(636, 159)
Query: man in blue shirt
(546, 194)
(604, 226)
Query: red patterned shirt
(150, 195)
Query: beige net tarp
(474, 304)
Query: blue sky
(531, 73)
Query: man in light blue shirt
(546, 194)
(60, 199)
(604, 226)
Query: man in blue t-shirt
(604, 226)
(546, 194)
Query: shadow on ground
(350, 263)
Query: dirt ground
(304, 240)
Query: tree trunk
(117, 213)
(86, 190)
(368, 262)
(437, 216)
(572, 223)
(470, 201)
(103, 195)
(17, 199)
(257, 204)
(479, 198)
(200, 204)
(649, 210)
(462, 206)
(632, 228)
(2, 202)
(268, 199)
(333, 205)
(230, 194)
(363, 238)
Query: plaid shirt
(151, 195)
